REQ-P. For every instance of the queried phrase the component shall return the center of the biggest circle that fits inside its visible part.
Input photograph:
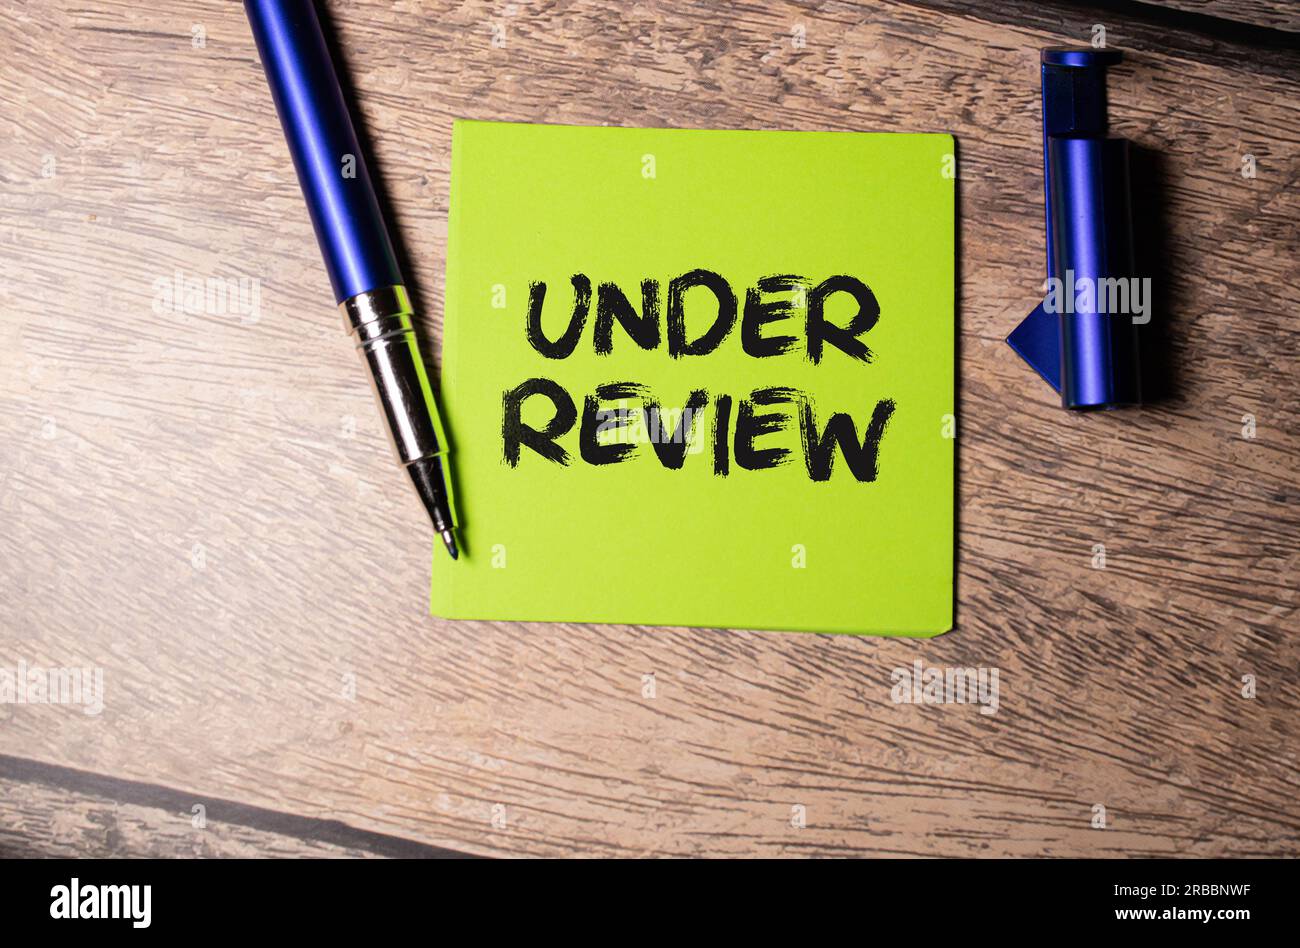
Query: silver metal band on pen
(380, 320)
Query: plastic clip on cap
(1072, 339)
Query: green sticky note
(734, 407)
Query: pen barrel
(380, 322)
(331, 168)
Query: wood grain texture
(51, 824)
(1283, 16)
(51, 811)
(204, 505)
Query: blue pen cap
(1092, 246)
(1082, 339)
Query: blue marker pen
(354, 241)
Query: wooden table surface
(203, 505)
